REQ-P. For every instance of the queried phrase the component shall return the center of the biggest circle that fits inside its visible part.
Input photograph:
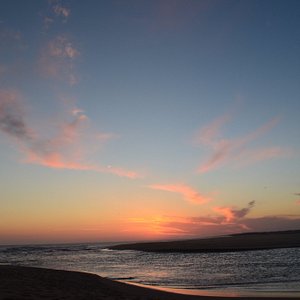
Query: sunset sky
(148, 119)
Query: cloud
(231, 215)
(188, 193)
(57, 60)
(211, 132)
(63, 151)
(47, 21)
(61, 47)
(234, 151)
(56, 11)
(152, 226)
(11, 117)
(215, 225)
(61, 11)
(255, 155)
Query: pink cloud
(226, 212)
(63, 151)
(230, 214)
(227, 221)
(55, 160)
(188, 193)
(211, 132)
(234, 151)
(122, 172)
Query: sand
(236, 242)
(36, 283)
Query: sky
(148, 120)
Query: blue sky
(148, 103)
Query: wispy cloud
(63, 151)
(61, 11)
(56, 11)
(57, 59)
(235, 151)
(188, 193)
(210, 133)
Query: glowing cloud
(231, 214)
(234, 151)
(64, 151)
(152, 226)
(188, 193)
(214, 225)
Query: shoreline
(17, 282)
(229, 292)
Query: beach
(18, 282)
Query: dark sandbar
(236, 242)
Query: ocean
(267, 272)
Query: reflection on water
(265, 270)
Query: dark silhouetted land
(20, 283)
(235, 242)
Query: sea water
(266, 271)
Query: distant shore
(36, 283)
(230, 243)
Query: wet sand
(236, 242)
(18, 283)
